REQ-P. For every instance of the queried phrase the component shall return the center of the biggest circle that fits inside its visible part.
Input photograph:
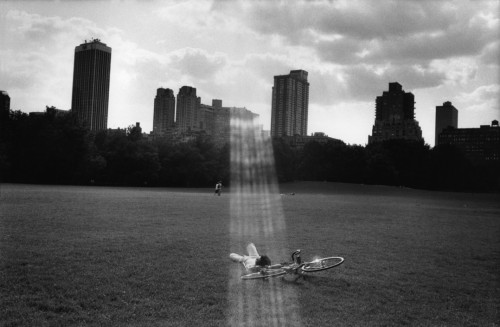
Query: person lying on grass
(253, 262)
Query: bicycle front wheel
(322, 264)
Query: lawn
(102, 256)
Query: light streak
(257, 216)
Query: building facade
(226, 118)
(164, 111)
(479, 145)
(206, 118)
(4, 104)
(188, 108)
(91, 78)
(395, 116)
(290, 104)
(299, 141)
(446, 116)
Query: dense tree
(451, 170)
(398, 162)
(10, 124)
(129, 160)
(195, 163)
(47, 148)
(52, 147)
(223, 168)
(285, 160)
(312, 162)
(332, 161)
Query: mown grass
(159, 257)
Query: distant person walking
(218, 188)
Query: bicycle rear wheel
(264, 274)
(322, 264)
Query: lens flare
(256, 216)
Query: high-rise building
(480, 145)
(446, 116)
(4, 107)
(206, 118)
(188, 107)
(290, 104)
(91, 76)
(217, 103)
(4, 103)
(164, 111)
(395, 116)
(228, 118)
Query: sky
(231, 50)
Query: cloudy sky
(230, 50)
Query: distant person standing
(218, 188)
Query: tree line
(396, 162)
(52, 148)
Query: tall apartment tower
(4, 107)
(290, 104)
(395, 116)
(188, 107)
(446, 116)
(206, 118)
(164, 111)
(91, 77)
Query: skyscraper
(206, 118)
(290, 104)
(4, 101)
(91, 77)
(164, 110)
(446, 116)
(188, 107)
(395, 116)
(4, 106)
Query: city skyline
(439, 51)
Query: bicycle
(296, 267)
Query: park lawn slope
(154, 257)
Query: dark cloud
(375, 42)
(417, 31)
(419, 48)
(326, 88)
(198, 63)
(364, 84)
(491, 53)
(342, 50)
(268, 65)
(358, 19)
(367, 20)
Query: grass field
(78, 256)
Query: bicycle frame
(296, 267)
